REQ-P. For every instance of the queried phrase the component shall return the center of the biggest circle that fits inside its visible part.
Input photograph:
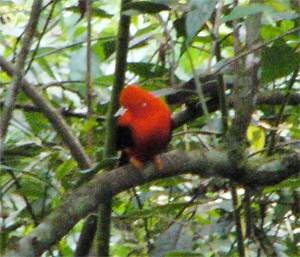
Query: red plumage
(146, 124)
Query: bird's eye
(144, 105)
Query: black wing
(124, 138)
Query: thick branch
(263, 97)
(105, 210)
(87, 198)
(52, 115)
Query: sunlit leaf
(291, 184)
(256, 137)
(65, 168)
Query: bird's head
(136, 99)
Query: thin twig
(219, 67)
(170, 41)
(17, 77)
(57, 50)
(215, 34)
(141, 207)
(89, 69)
(272, 141)
(199, 90)
(221, 83)
(28, 205)
(41, 35)
(64, 112)
(195, 131)
(52, 115)
(237, 220)
(275, 147)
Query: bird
(144, 129)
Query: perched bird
(144, 129)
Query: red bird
(144, 129)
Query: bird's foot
(158, 162)
(137, 163)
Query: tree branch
(220, 66)
(18, 76)
(89, 79)
(107, 184)
(40, 36)
(64, 112)
(105, 210)
(280, 114)
(52, 115)
(263, 97)
(185, 91)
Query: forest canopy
(229, 182)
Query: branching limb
(18, 76)
(87, 198)
(52, 115)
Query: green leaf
(183, 254)
(109, 47)
(65, 168)
(95, 12)
(146, 70)
(281, 210)
(31, 187)
(86, 174)
(4, 167)
(280, 16)
(36, 121)
(77, 65)
(46, 67)
(256, 137)
(292, 184)
(278, 61)
(159, 209)
(268, 32)
(295, 132)
(178, 237)
(293, 249)
(146, 7)
(200, 12)
(242, 11)
(180, 26)
(100, 13)
(26, 149)
(99, 166)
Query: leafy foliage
(170, 42)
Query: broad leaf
(242, 11)
(256, 137)
(176, 238)
(278, 60)
(146, 7)
(200, 12)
